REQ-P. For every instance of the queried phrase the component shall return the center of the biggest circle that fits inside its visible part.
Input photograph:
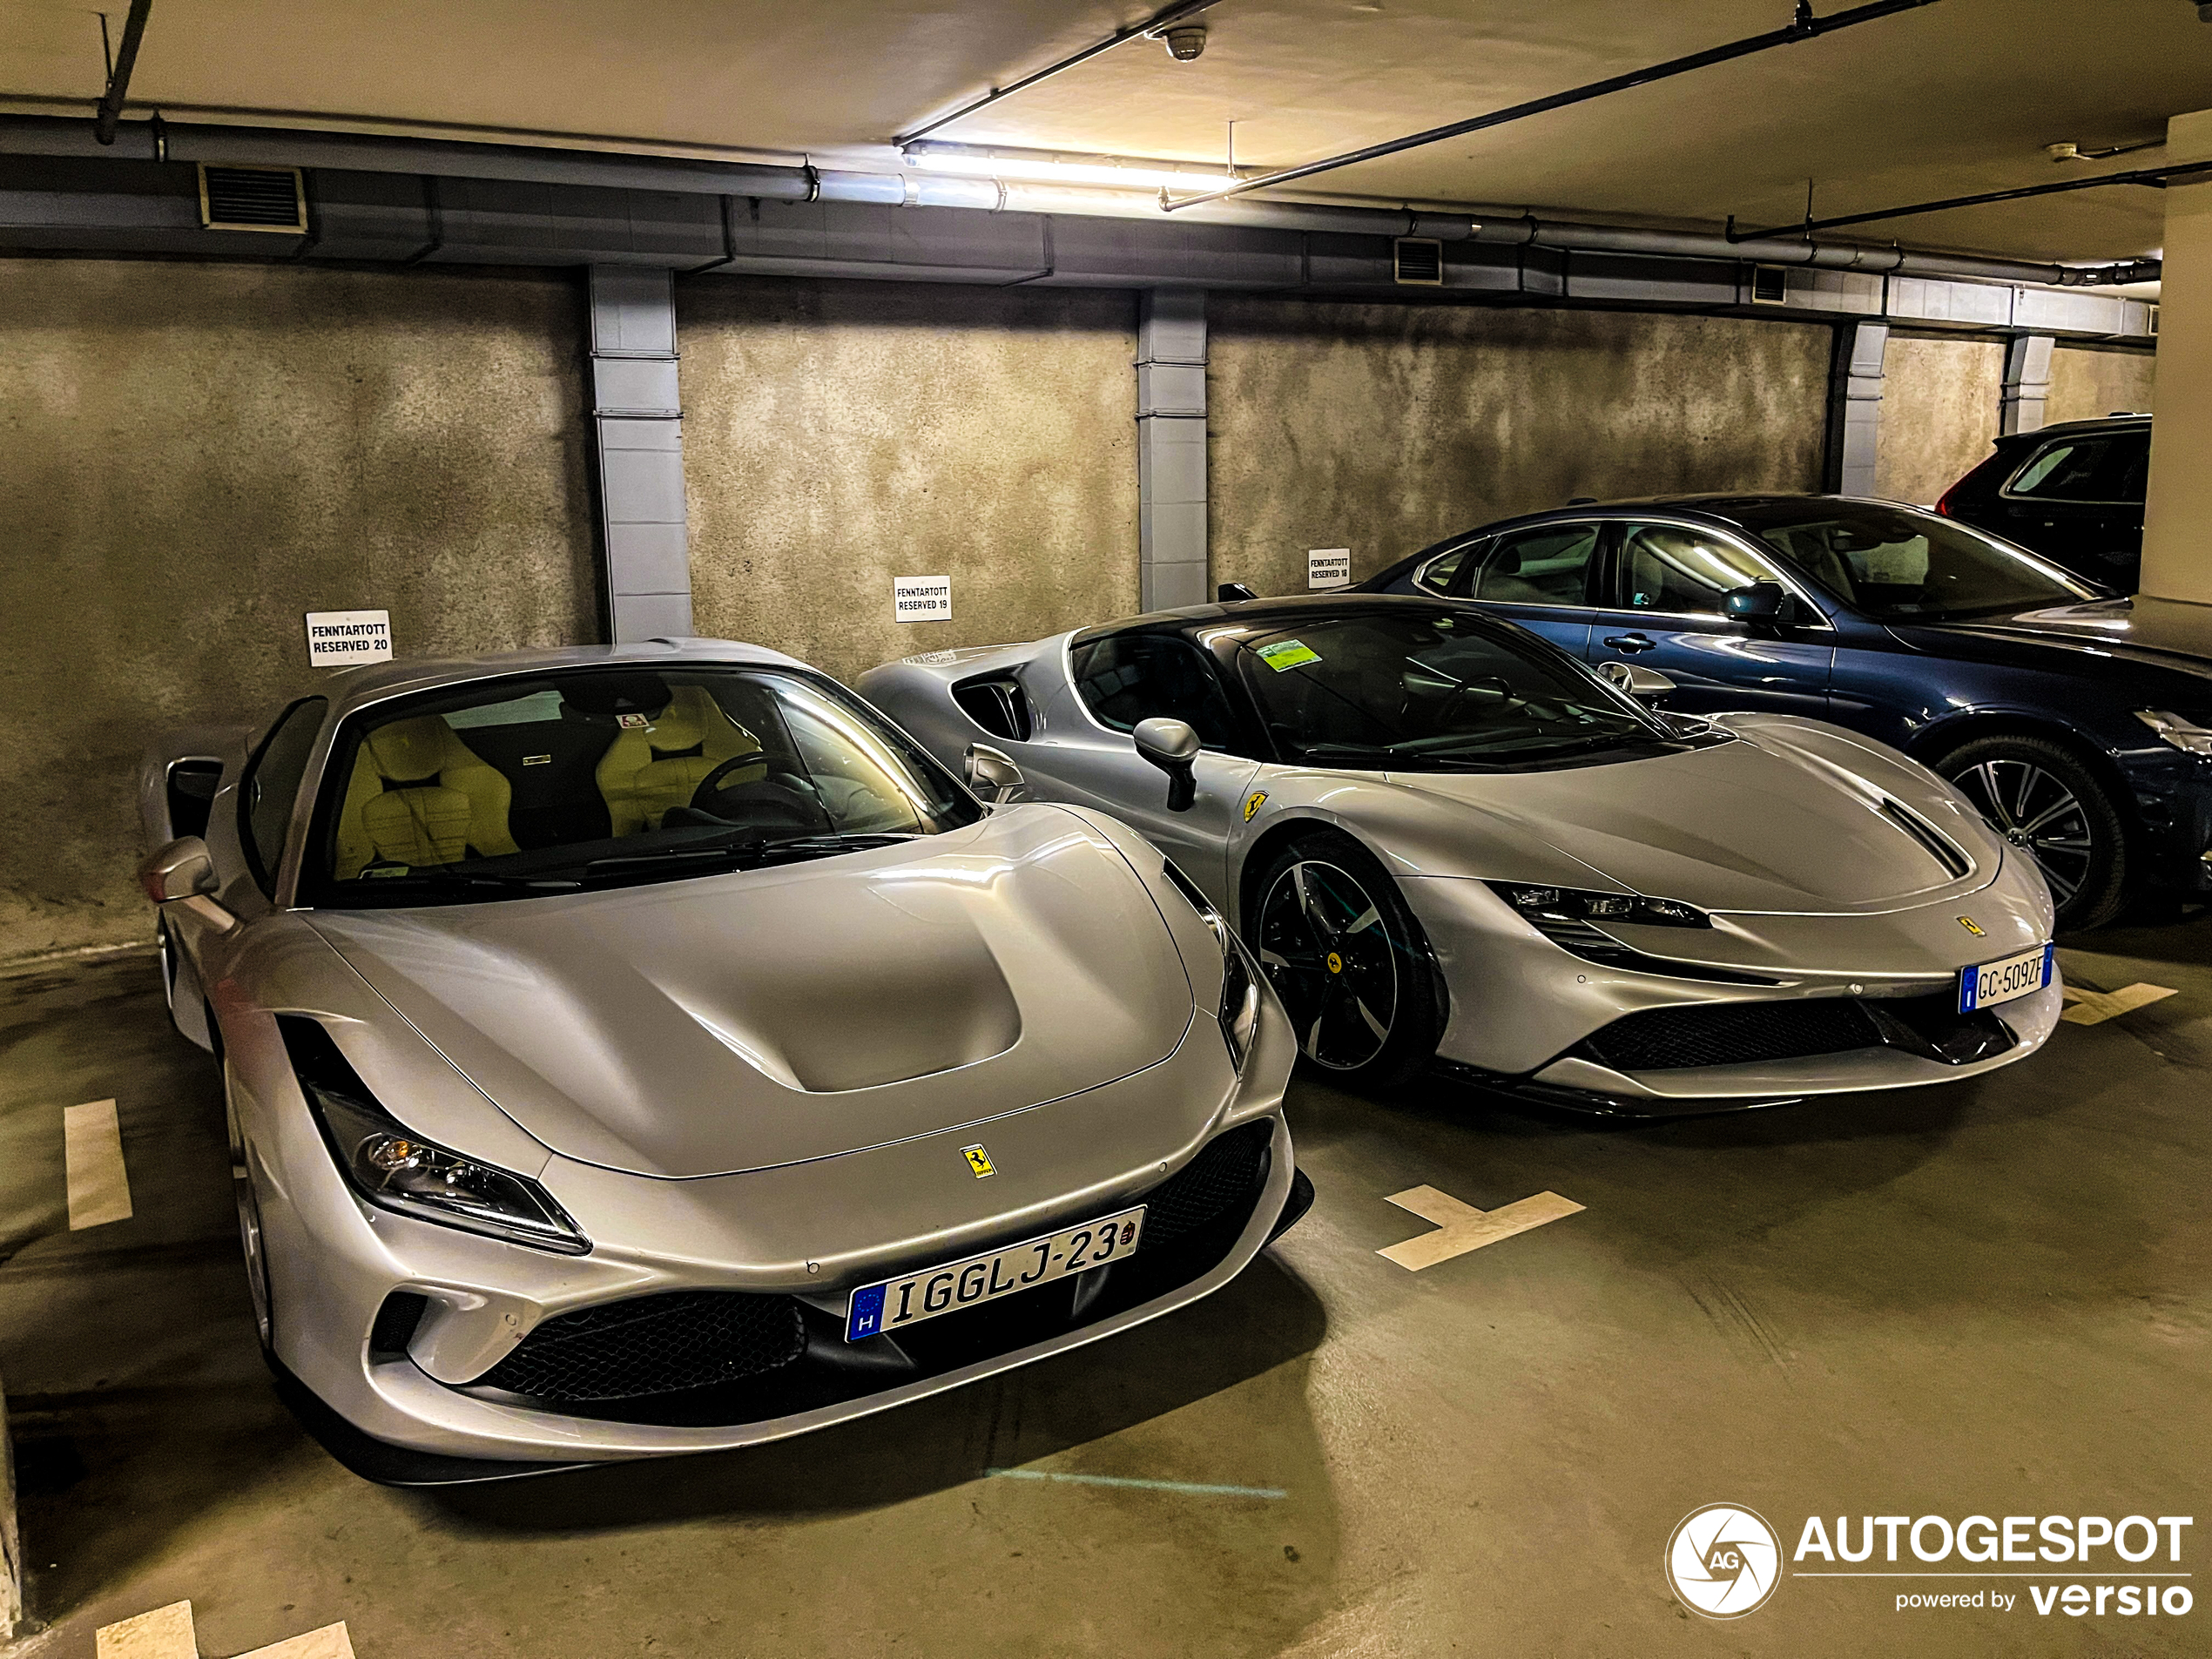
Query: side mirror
(1229, 592)
(1173, 747)
(1645, 685)
(180, 870)
(992, 774)
(1761, 604)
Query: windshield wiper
(463, 879)
(745, 852)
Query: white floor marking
(99, 1185)
(1144, 1485)
(1461, 1227)
(2094, 1007)
(167, 1633)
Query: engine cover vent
(1770, 285)
(252, 198)
(1417, 260)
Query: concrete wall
(839, 435)
(1940, 408)
(1384, 428)
(198, 454)
(2085, 382)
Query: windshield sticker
(1286, 653)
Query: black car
(2079, 723)
(2072, 493)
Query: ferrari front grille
(1226, 1171)
(652, 1345)
(1741, 1034)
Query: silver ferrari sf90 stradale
(1443, 837)
(643, 1049)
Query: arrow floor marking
(2094, 1007)
(167, 1633)
(1461, 1227)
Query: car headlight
(2185, 735)
(1540, 906)
(1239, 1011)
(394, 1169)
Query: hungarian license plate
(2001, 981)
(897, 1303)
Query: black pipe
(118, 80)
(2153, 177)
(1158, 20)
(1805, 26)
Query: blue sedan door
(1667, 614)
(1541, 577)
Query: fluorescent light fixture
(1057, 167)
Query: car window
(1897, 564)
(522, 785)
(1419, 690)
(272, 786)
(1130, 677)
(1539, 567)
(1436, 576)
(1671, 568)
(2111, 468)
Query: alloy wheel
(1323, 947)
(249, 1237)
(2035, 811)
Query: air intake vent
(995, 702)
(1417, 260)
(1770, 285)
(252, 198)
(1938, 844)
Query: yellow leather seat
(421, 796)
(646, 770)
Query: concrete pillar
(1855, 408)
(638, 431)
(2027, 383)
(1171, 449)
(2177, 548)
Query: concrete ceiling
(1957, 97)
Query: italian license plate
(897, 1303)
(2001, 981)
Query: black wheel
(2046, 802)
(1349, 961)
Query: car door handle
(1629, 642)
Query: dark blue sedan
(2080, 725)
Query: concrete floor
(1987, 1299)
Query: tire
(251, 1245)
(2045, 801)
(1351, 965)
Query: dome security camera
(1185, 41)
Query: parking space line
(167, 1633)
(2094, 1007)
(1461, 1227)
(1191, 1486)
(99, 1185)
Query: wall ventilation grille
(1770, 285)
(252, 198)
(2154, 322)
(1417, 260)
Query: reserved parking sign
(341, 638)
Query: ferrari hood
(1774, 822)
(738, 1022)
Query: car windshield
(1417, 689)
(520, 787)
(1896, 565)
